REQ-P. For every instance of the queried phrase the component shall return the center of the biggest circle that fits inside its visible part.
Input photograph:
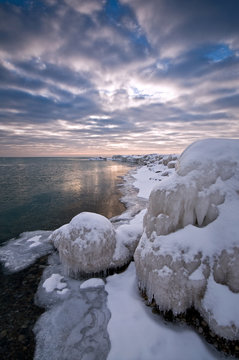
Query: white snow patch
(63, 291)
(221, 303)
(54, 282)
(35, 240)
(92, 283)
(197, 274)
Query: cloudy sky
(102, 77)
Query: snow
(221, 303)
(54, 282)
(92, 283)
(137, 334)
(35, 240)
(191, 227)
(146, 178)
(62, 291)
(197, 274)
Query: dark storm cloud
(78, 72)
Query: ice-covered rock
(127, 239)
(87, 244)
(190, 243)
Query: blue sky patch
(219, 53)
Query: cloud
(104, 76)
(174, 25)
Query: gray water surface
(45, 193)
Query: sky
(104, 77)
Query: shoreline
(133, 204)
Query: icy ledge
(188, 254)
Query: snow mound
(191, 236)
(86, 245)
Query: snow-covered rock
(190, 243)
(87, 244)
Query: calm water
(45, 193)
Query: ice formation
(86, 245)
(190, 244)
(127, 238)
(18, 253)
(74, 325)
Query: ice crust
(18, 253)
(191, 229)
(74, 325)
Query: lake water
(45, 193)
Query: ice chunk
(86, 244)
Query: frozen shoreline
(66, 293)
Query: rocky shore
(18, 313)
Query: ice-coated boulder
(190, 244)
(86, 245)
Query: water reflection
(44, 193)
